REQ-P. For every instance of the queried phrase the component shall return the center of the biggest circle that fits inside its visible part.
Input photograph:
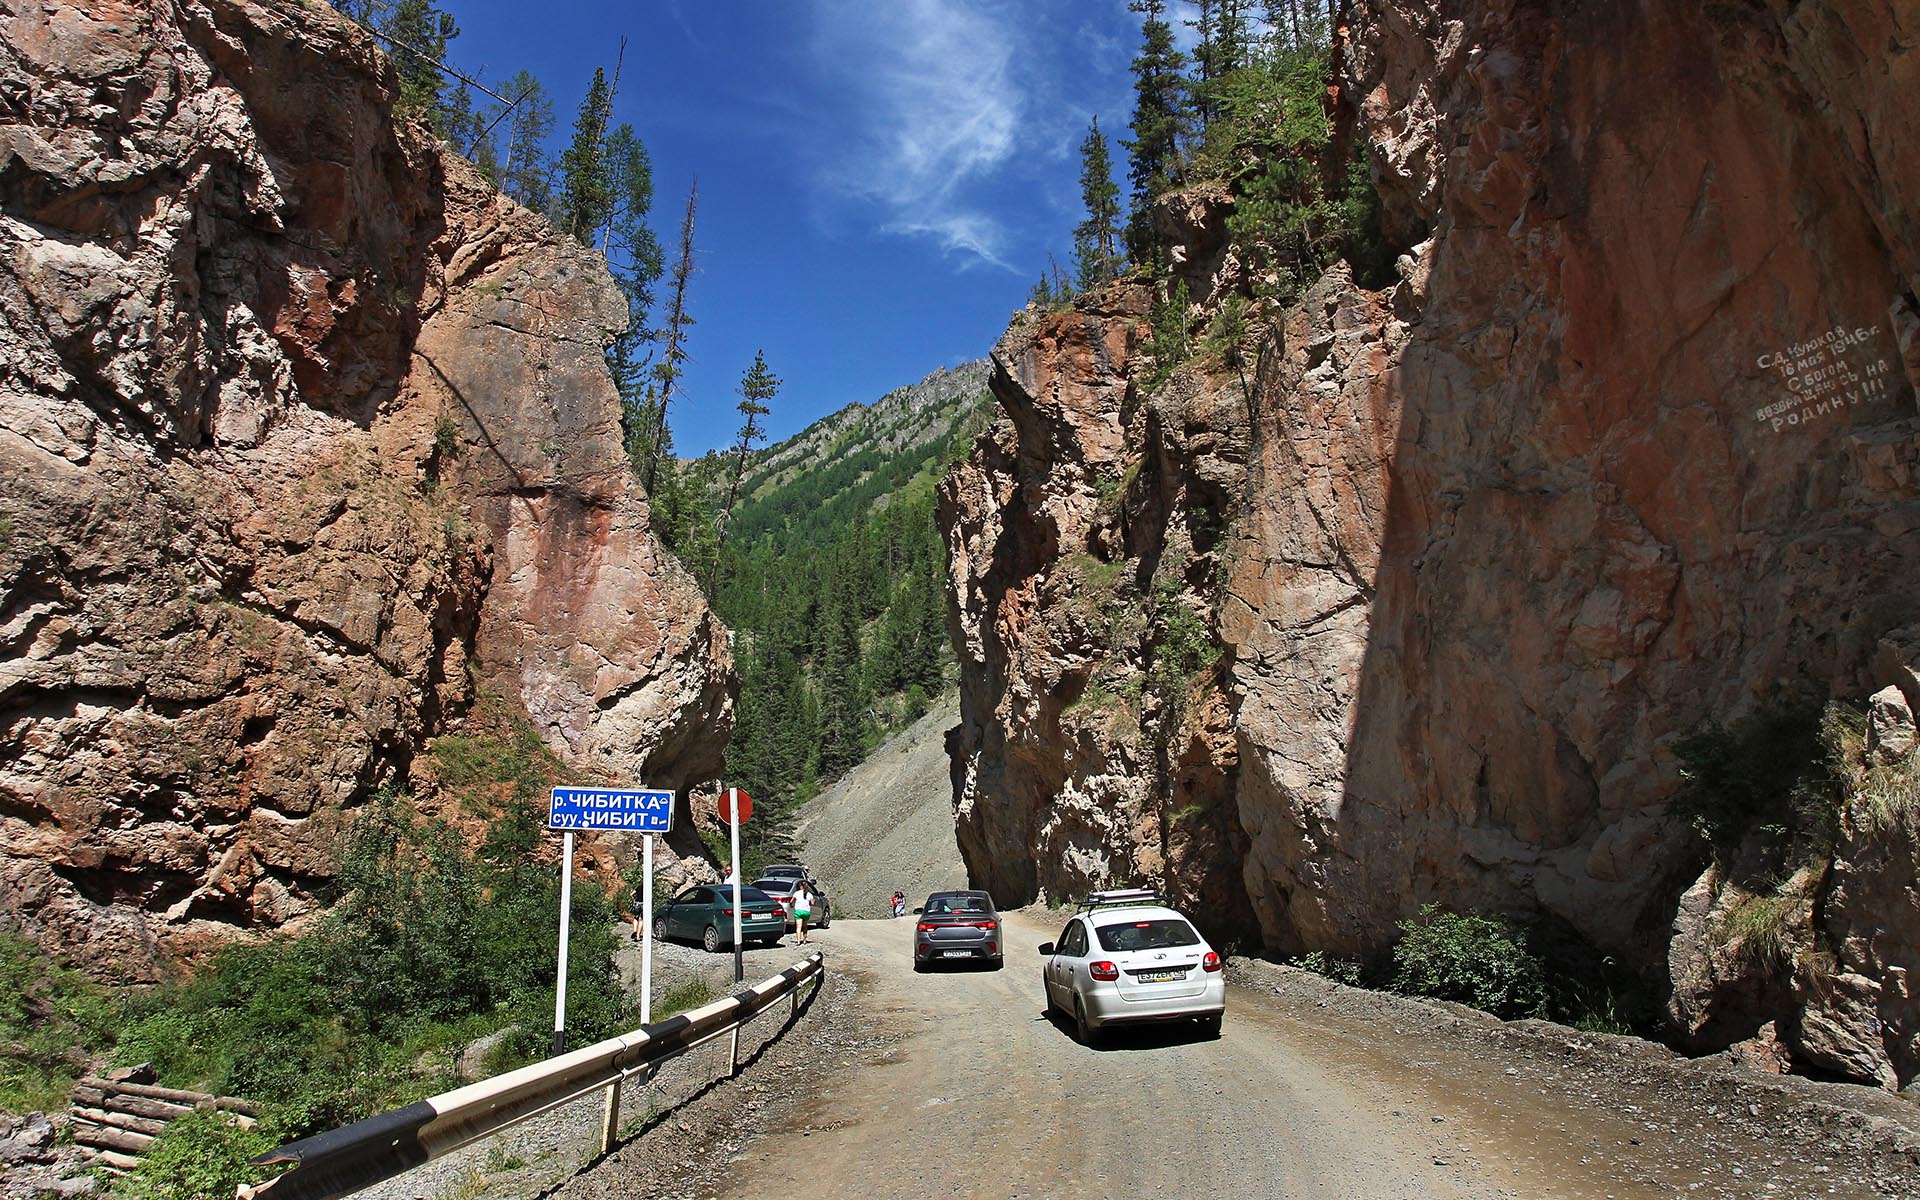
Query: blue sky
(880, 182)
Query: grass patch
(1756, 926)
(53, 1022)
(689, 994)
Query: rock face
(305, 434)
(1632, 444)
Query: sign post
(735, 807)
(566, 909)
(615, 810)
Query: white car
(1126, 958)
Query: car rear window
(1156, 934)
(940, 906)
(775, 885)
(748, 895)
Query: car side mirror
(1046, 948)
(916, 911)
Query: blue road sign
(622, 810)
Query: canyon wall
(1630, 445)
(307, 439)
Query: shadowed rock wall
(1631, 445)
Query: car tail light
(726, 912)
(926, 927)
(777, 911)
(986, 924)
(1104, 970)
(1211, 962)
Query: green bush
(201, 1156)
(1340, 970)
(1470, 959)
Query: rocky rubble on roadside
(1703, 1114)
(36, 1162)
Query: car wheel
(1088, 1035)
(1210, 1024)
(659, 929)
(711, 940)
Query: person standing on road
(802, 909)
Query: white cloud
(928, 108)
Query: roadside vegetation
(436, 936)
(1511, 968)
(53, 1022)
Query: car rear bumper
(760, 927)
(1106, 1007)
(955, 951)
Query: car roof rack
(1120, 896)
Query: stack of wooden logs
(116, 1116)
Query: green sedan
(704, 913)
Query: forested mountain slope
(832, 583)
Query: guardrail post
(733, 1051)
(610, 1117)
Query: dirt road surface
(986, 1097)
(953, 1084)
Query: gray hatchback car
(957, 927)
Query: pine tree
(417, 34)
(757, 386)
(586, 184)
(526, 174)
(633, 255)
(666, 371)
(1096, 252)
(1159, 114)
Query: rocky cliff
(307, 436)
(1413, 605)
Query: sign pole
(733, 824)
(646, 930)
(566, 912)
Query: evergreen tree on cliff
(525, 173)
(1096, 240)
(634, 257)
(757, 386)
(586, 184)
(1159, 114)
(417, 34)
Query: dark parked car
(780, 887)
(704, 913)
(957, 926)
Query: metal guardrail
(340, 1161)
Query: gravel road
(955, 1085)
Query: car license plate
(1160, 976)
(956, 954)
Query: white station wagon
(1127, 958)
